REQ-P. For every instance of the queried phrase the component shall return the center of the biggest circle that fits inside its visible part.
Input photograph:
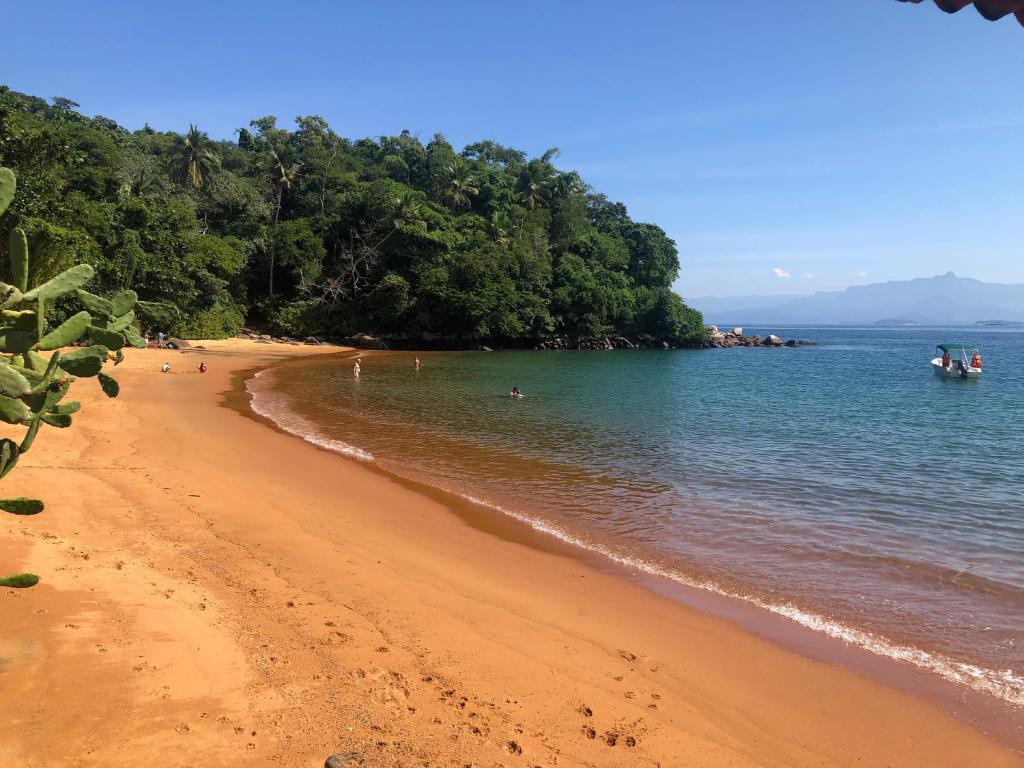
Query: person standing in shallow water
(356, 370)
(418, 364)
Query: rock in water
(773, 340)
(343, 760)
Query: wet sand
(218, 593)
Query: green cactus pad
(12, 383)
(13, 411)
(99, 306)
(15, 340)
(8, 455)
(67, 281)
(59, 420)
(68, 332)
(17, 245)
(8, 185)
(30, 436)
(48, 399)
(121, 323)
(84, 362)
(68, 408)
(134, 339)
(23, 320)
(109, 339)
(122, 302)
(21, 506)
(9, 295)
(19, 580)
(41, 381)
(110, 386)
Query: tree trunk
(273, 240)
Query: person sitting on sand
(515, 393)
(202, 367)
(165, 368)
(976, 361)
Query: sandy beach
(217, 593)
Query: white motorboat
(957, 361)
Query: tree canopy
(303, 231)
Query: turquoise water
(842, 485)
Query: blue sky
(786, 146)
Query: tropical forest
(300, 231)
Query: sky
(787, 147)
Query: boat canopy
(957, 347)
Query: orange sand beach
(218, 593)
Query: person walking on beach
(356, 369)
(160, 339)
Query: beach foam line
(278, 412)
(1003, 684)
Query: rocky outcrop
(735, 338)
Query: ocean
(842, 486)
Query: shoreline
(224, 590)
(939, 679)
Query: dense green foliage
(307, 232)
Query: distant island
(300, 231)
(1002, 323)
(942, 300)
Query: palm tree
(408, 210)
(535, 184)
(194, 158)
(282, 176)
(138, 183)
(461, 185)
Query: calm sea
(842, 485)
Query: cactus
(32, 386)
(68, 332)
(18, 246)
(7, 186)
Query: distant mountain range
(942, 300)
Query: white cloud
(779, 272)
(861, 275)
(808, 275)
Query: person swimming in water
(515, 393)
